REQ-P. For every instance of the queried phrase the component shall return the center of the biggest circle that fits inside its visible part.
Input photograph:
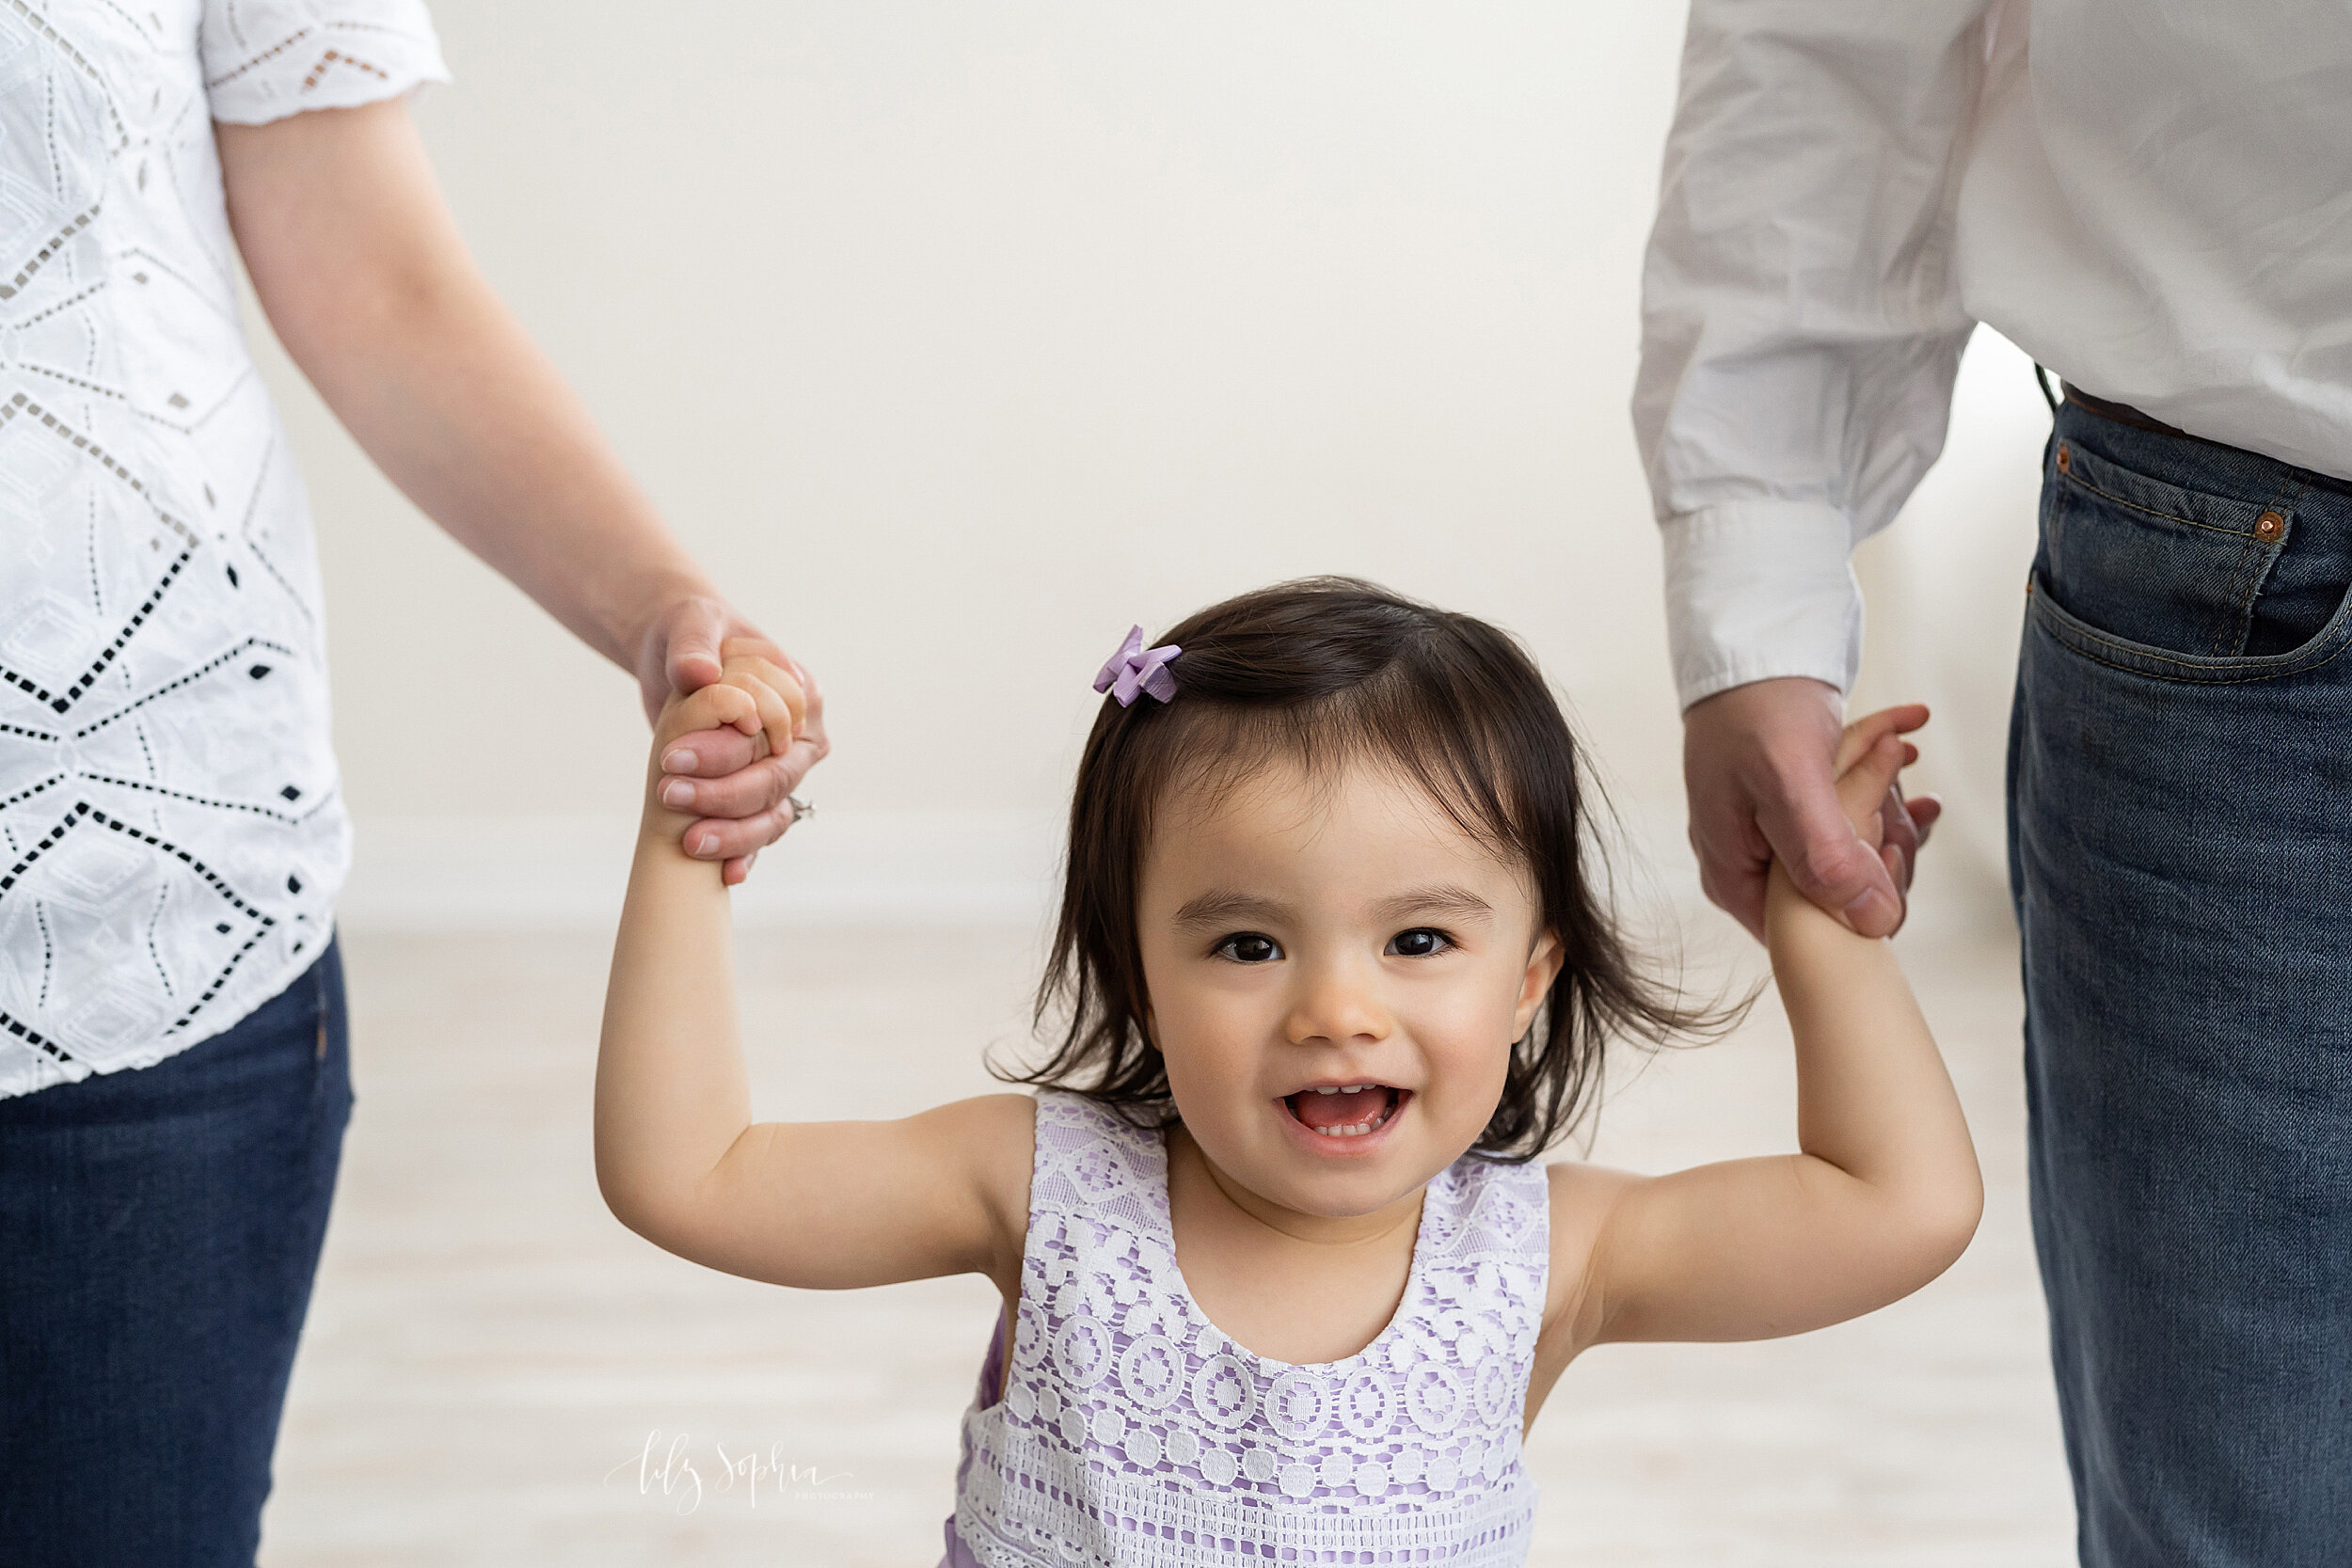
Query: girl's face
(1304, 936)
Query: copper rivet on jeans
(2266, 527)
(2066, 459)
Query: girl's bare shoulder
(1583, 1196)
(997, 1136)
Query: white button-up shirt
(173, 831)
(2155, 202)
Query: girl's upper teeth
(1352, 1088)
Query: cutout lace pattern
(172, 828)
(1132, 1431)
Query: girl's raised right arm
(821, 1205)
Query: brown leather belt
(2123, 413)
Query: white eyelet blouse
(172, 833)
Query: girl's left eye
(1418, 943)
(1250, 948)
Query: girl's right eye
(1249, 947)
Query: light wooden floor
(490, 1356)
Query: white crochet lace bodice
(1130, 1431)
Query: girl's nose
(1335, 1005)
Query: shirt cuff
(1760, 590)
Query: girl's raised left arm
(1884, 1194)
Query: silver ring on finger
(801, 809)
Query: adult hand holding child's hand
(731, 788)
(1866, 795)
(1761, 763)
(752, 731)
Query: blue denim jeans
(2181, 857)
(158, 1231)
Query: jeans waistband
(2171, 447)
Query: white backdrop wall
(955, 339)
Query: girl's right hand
(822, 1205)
(754, 697)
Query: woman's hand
(734, 789)
(753, 700)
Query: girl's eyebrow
(1220, 904)
(1441, 899)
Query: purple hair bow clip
(1136, 669)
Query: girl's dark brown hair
(1326, 671)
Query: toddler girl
(1280, 1277)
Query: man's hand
(1761, 763)
(735, 786)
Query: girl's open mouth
(1345, 1110)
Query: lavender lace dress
(1128, 1430)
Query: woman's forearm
(459, 408)
(367, 281)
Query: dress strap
(1090, 1162)
(1487, 1212)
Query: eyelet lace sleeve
(266, 59)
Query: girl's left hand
(1870, 757)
